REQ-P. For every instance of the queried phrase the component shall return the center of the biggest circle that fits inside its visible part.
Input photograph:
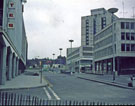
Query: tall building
(13, 40)
(103, 33)
(123, 30)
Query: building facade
(123, 30)
(105, 37)
(79, 59)
(13, 40)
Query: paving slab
(24, 81)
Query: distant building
(97, 44)
(46, 61)
(13, 40)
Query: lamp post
(60, 55)
(60, 50)
(53, 56)
(112, 11)
(53, 60)
(71, 41)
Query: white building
(97, 44)
(13, 40)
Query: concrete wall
(13, 41)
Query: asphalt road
(69, 87)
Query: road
(69, 87)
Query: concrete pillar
(3, 66)
(14, 68)
(17, 63)
(10, 66)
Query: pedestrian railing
(10, 99)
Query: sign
(11, 15)
(11, 5)
(10, 25)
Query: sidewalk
(120, 81)
(24, 81)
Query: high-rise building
(104, 38)
(13, 40)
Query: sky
(50, 24)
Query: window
(122, 35)
(103, 22)
(132, 36)
(127, 36)
(87, 42)
(132, 47)
(94, 26)
(87, 29)
(87, 38)
(122, 25)
(127, 25)
(122, 47)
(127, 47)
(132, 25)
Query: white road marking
(55, 95)
(47, 93)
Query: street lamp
(53, 56)
(60, 50)
(71, 41)
(112, 11)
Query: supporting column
(17, 63)
(14, 69)
(3, 66)
(10, 66)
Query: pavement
(25, 81)
(120, 81)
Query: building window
(122, 47)
(132, 25)
(103, 22)
(132, 47)
(127, 25)
(122, 25)
(132, 36)
(127, 36)
(122, 35)
(87, 42)
(127, 47)
(94, 26)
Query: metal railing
(7, 98)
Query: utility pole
(71, 41)
(112, 11)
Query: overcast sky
(51, 23)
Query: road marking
(48, 82)
(47, 93)
(55, 95)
